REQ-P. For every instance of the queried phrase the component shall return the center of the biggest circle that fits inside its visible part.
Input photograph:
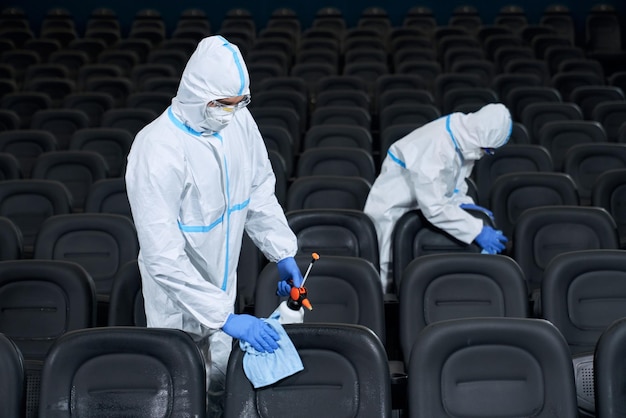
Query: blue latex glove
(290, 275)
(491, 240)
(259, 334)
(476, 207)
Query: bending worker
(197, 177)
(427, 169)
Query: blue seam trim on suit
(456, 145)
(207, 228)
(225, 280)
(396, 159)
(201, 228)
(242, 77)
(181, 125)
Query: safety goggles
(231, 107)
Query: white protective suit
(192, 194)
(427, 169)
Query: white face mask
(217, 118)
(219, 115)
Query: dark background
(261, 10)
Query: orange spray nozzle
(299, 295)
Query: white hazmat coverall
(192, 193)
(427, 170)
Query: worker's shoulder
(157, 134)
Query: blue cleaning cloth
(263, 369)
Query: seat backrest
(609, 192)
(108, 196)
(602, 30)
(608, 364)
(503, 83)
(279, 166)
(93, 104)
(346, 115)
(537, 114)
(25, 104)
(346, 364)
(10, 168)
(491, 367)
(342, 232)
(341, 289)
(338, 136)
(343, 97)
(439, 287)
(337, 161)
(611, 115)
(315, 192)
(283, 117)
(26, 145)
(278, 139)
(542, 233)
(11, 241)
(126, 306)
(519, 97)
(12, 378)
(100, 242)
(109, 358)
(580, 295)
(157, 101)
(55, 87)
(9, 120)
(447, 81)
(413, 236)
(284, 98)
(131, 119)
(111, 143)
(582, 65)
(567, 81)
(519, 134)
(559, 136)
(512, 158)
(457, 98)
(585, 162)
(402, 113)
(119, 87)
(43, 299)
(428, 69)
(511, 194)
(27, 203)
(76, 170)
(394, 81)
(400, 95)
(587, 97)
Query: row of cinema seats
(38, 212)
(577, 292)
(555, 125)
(489, 367)
(401, 107)
(578, 168)
(596, 112)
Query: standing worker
(197, 177)
(427, 170)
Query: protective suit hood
(489, 127)
(215, 70)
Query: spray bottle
(292, 310)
